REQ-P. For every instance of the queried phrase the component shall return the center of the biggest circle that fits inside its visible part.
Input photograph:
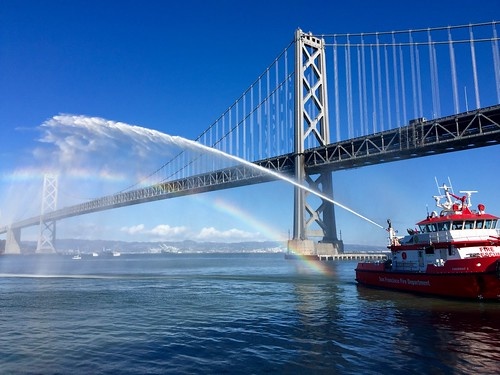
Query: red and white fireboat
(453, 253)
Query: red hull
(476, 278)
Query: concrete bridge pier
(311, 248)
(333, 247)
(12, 243)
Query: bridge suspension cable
(383, 80)
(380, 80)
(258, 125)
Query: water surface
(228, 313)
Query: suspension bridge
(326, 103)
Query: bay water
(229, 314)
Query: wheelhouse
(457, 224)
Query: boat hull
(468, 281)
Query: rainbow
(264, 230)
(304, 264)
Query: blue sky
(174, 67)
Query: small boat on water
(453, 253)
(77, 257)
(116, 253)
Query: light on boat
(478, 265)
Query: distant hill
(66, 246)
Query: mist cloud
(73, 142)
(94, 157)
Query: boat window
(443, 225)
(457, 225)
(431, 227)
(469, 224)
(451, 250)
(422, 228)
(487, 224)
(494, 224)
(479, 224)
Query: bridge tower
(47, 235)
(313, 217)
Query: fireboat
(454, 253)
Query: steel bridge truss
(454, 133)
(47, 233)
(218, 180)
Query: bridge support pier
(301, 247)
(311, 248)
(12, 243)
(330, 248)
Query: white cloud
(162, 231)
(165, 231)
(136, 229)
(232, 235)
(69, 143)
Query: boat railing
(439, 237)
(436, 237)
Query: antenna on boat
(451, 187)
(437, 185)
(448, 194)
(438, 197)
(444, 187)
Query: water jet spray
(273, 173)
